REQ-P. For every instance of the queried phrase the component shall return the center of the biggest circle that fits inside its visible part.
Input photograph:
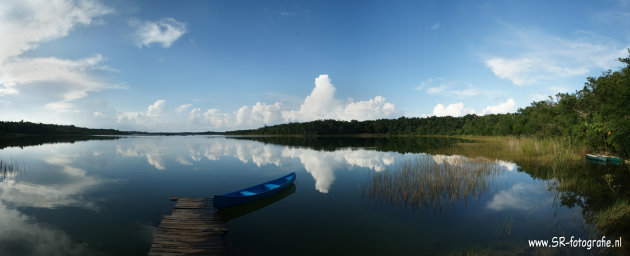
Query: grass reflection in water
(436, 184)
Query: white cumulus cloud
(154, 117)
(164, 31)
(214, 118)
(458, 109)
(502, 108)
(374, 108)
(260, 113)
(156, 109)
(320, 104)
(455, 109)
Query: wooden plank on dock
(194, 227)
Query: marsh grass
(552, 159)
(613, 215)
(517, 149)
(422, 183)
(8, 170)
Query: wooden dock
(194, 228)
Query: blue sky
(222, 65)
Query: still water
(106, 197)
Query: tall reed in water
(438, 183)
(8, 170)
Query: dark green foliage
(27, 128)
(21, 134)
(598, 116)
(470, 124)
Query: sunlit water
(107, 198)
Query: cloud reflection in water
(320, 164)
(520, 196)
(20, 233)
(24, 235)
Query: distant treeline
(31, 129)
(597, 116)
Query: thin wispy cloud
(183, 107)
(435, 26)
(31, 24)
(558, 89)
(538, 97)
(163, 32)
(451, 88)
(64, 80)
(467, 92)
(50, 81)
(541, 57)
(436, 90)
(618, 15)
(287, 13)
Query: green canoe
(613, 159)
(596, 157)
(603, 158)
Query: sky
(226, 65)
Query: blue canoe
(253, 193)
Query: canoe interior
(261, 188)
(596, 157)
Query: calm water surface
(106, 197)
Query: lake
(106, 197)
